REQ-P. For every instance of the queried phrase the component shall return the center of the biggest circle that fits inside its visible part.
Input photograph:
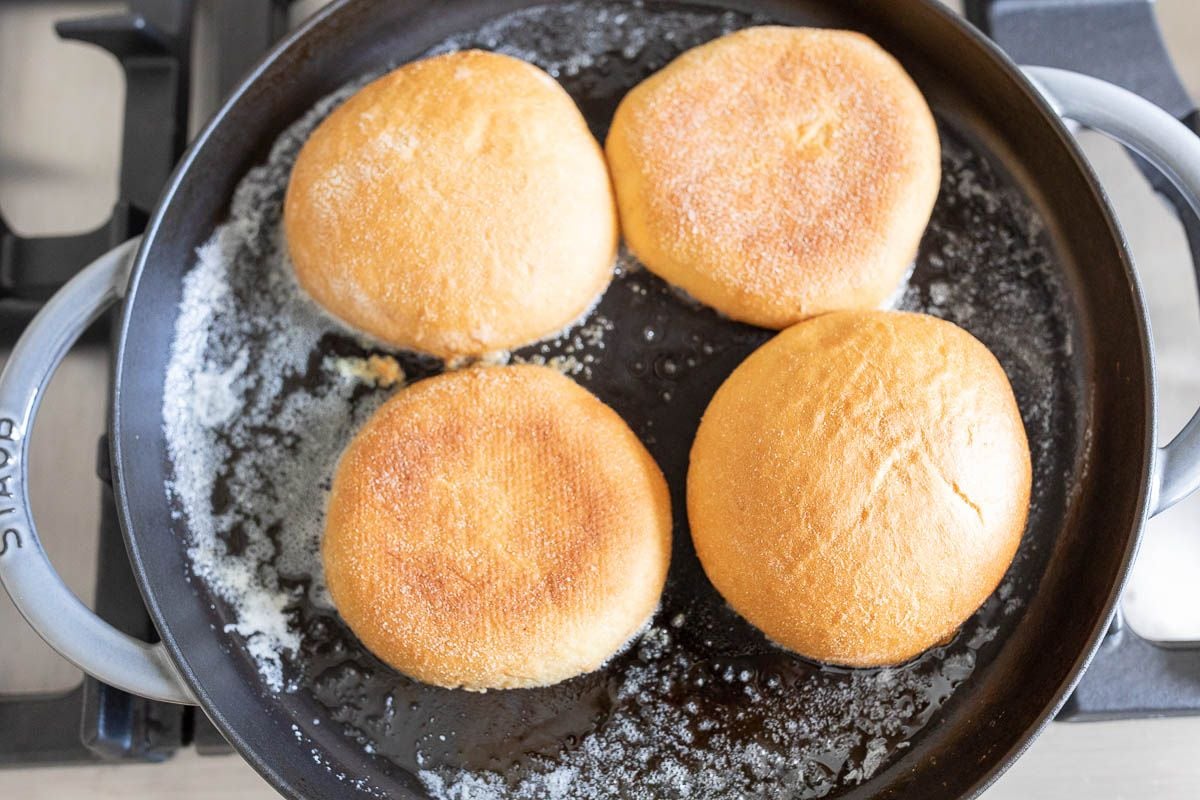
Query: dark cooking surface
(1087, 522)
(665, 357)
(713, 679)
(662, 362)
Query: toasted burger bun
(859, 485)
(496, 527)
(777, 173)
(456, 206)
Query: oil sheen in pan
(263, 391)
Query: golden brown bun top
(496, 527)
(859, 485)
(776, 173)
(458, 205)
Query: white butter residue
(253, 438)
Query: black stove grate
(1114, 39)
(153, 42)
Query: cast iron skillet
(1111, 478)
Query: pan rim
(1149, 391)
(284, 783)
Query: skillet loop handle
(1172, 148)
(38, 592)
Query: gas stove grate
(153, 42)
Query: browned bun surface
(777, 173)
(458, 205)
(859, 485)
(496, 527)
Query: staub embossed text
(10, 539)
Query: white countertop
(1101, 761)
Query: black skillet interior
(1019, 252)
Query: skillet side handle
(1167, 144)
(38, 592)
